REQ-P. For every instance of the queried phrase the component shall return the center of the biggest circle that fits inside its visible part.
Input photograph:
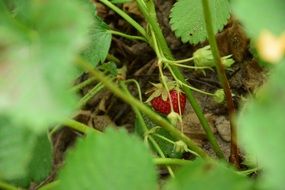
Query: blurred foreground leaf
(257, 15)
(201, 175)
(114, 160)
(262, 129)
(16, 146)
(38, 44)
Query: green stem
(151, 18)
(146, 131)
(234, 158)
(138, 87)
(7, 186)
(187, 66)
(142, 107)
(130, 37)
(83, 84)
(179, 61)
(129, 19)
(111, 57)
(164, 138)
(161, 154)
(90, 94)
(249, 171)
(73, 124)
(170, 161)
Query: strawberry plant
(142, 94)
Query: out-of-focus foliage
(40, 41)
(114, 160)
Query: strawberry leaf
(36, 63)
(16, 146)
(100, 42)
(120, 158)
(202, 174)
(187, 19)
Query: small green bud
(203, 57)
(180, 146)
(174, 118)
(227, 61)
(219, 96)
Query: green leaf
(16, 146)
(109, 68)
(114, 160)
(100, 42)
(40, 164)
(261, 129)
(36, 64)
(260, 15)
(187, 19)
(202, 174)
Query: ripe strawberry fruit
(163, 106)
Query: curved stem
(90, 94)
(179, 61)
(129, 19)
(187, 66)
(73, 124)
(164, 138)
(234, 158)
(130, 37)
(137, 85)
(188, 86)
(82, 84)
(142, 107)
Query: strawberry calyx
(159, 89)
(166, 100)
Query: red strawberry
(163, 106)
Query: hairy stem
(90, 94)
(130, 37)
(124, 15)
(234, 158)
(73, 124)
(83, 84)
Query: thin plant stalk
(127, 36)
(234, 157)
(150, 16)
(73, 124)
